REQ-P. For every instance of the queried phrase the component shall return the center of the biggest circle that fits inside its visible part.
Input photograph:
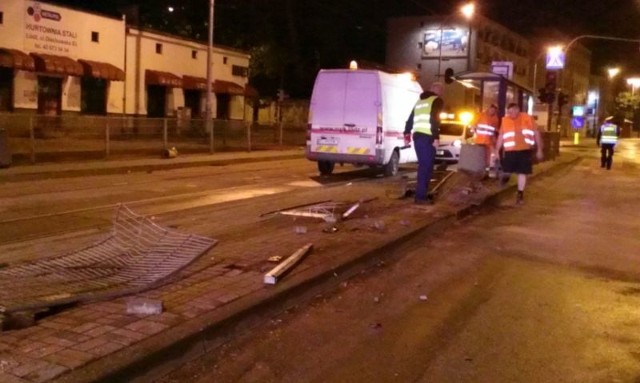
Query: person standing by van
(424, 121)
(518, 135)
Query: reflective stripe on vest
(422, 115)
(518, 134)
(486, 129)
(609, 135)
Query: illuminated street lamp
(467, 11)
(634, 82)
(613, 72)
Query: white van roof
(360, 97)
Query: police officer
(424, 121)
(607, 139)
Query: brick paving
(71, 340)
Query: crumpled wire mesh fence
(136, 255)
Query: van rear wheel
(325, 167)
(392, 167)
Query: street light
(634, 82)
(467, 11)
(613, 72)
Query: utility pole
(209, 107)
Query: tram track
(56, 223)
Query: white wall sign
(504, 68)
(46, 30)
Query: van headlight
(457, 143)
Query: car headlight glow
(457, 143)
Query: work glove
(407, 138)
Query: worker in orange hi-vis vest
(486, 130)
(519, 136)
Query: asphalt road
(545, 292)
(79, 207)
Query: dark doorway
(156, 100)
(49, 95)
(94, 96)
(192, 100)
(6, 89)
(222, 110)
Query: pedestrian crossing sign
(555, 59)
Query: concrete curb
(194, 337)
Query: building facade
(433, 46)
(56, 60)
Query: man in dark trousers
(607, 139)
(424, 121)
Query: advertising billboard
(454, 42)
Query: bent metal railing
(137, 255)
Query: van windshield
(451, 129)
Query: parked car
(453, 133)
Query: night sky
(310, 34)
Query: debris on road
(330, 229)
(143, 306)
(272, 276)
(300, 229)
(423, 297)
(275, 258)
(350, 210)
(170, 153)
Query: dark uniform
(425, 123)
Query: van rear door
(345, 107)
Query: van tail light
(379, 135)
(308, 132)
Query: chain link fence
(39, 138)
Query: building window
(95, 37)
(194, 54)
(238, 70)
(224, 60)
(159, 48)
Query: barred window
(241, 71)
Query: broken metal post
(272, 276)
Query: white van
(357, 116)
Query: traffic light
(542, 95)
(448, 75)
(551, 82)
(563, 99)
(545, 96)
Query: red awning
(221, 86)
(250, 91)
(57, 64)
(102, 70)
(13, 58)
(191, 82)
(156, 77)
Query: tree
(626, 104)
